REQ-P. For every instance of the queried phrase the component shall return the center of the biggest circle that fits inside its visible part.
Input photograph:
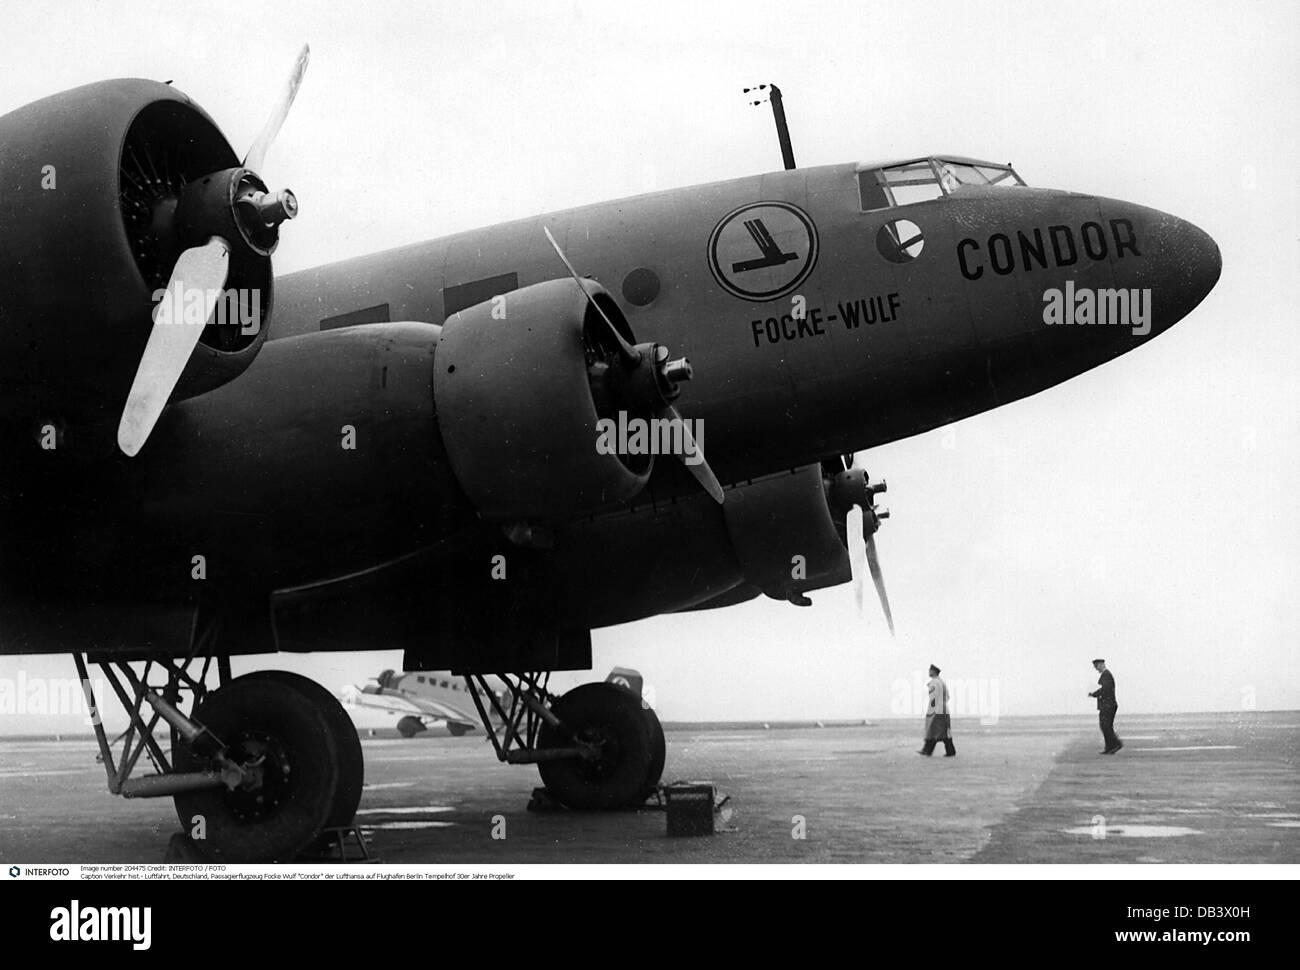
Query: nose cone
(1179, 264)
(1199, 258)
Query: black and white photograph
(589, 441)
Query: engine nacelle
(776, 535)
(92, 178)
(513, 390)
(785, 534)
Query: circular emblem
(763, 250)
(900, 241)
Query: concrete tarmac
(1204, 788)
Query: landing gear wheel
(612, 719)
(658, 752)
(276, 722)
(409, 726)
(458, 730)
(352, 771)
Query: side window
(1004, 176)
(956, 173)
(907, 184)
(873, 196)
(898, 185)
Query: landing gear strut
(261, 766)
(596, 748)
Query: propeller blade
(625, 349)
(172, 340)
(857, 554)
(257, 153)
(873, 563)
(701, 470)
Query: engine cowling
(777, 535)
(88, 236)
(517, 394)
(786, 535)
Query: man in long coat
(938, 725)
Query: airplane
(438, 696)
(420, 700)
(403, 451)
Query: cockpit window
(996, 175)
(926, 179)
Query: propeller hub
(849, 489)
(236, 205)
(852, 488)
(650, 383)
(273, 208)
(676, 371)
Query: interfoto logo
(14, 871)
(657, 436)
(1088, 307)
(99, 924)
(181, 304)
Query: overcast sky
(1144, 512)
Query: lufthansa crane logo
(763, 250)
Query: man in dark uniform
(1106, 707)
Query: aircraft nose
(1196, 262)
(1206, 260)
(1181, 267)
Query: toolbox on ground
(690, 808)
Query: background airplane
(421, 700)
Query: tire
(352, 763)
(458, 730)
(658, 743)
(658, 752)
(283, 721)
(613, 717)
(410, 725)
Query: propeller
(649, 381)
(172, 340)
(233, 212)
(851, 490)
(262, 143)
(626, 352)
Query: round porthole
(900, 241)
(641, 286)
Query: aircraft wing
(393, 703)
(396, 702)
